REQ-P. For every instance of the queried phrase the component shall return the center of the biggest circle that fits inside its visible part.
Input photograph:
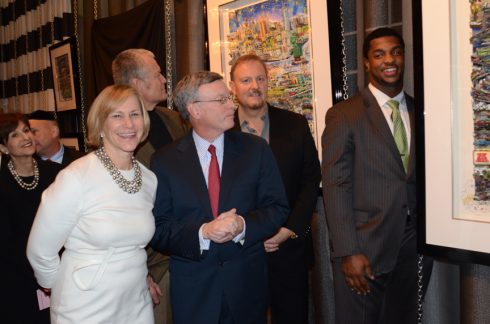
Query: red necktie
(213, 181)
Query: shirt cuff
(240, 238)
(203, 243)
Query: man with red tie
(219, 196)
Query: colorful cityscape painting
(279, 32)
(480, 26)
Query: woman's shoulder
(81, 167)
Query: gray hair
(187, 89)
(128, 65)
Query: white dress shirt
(382, 99)
(202, 146)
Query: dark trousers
(393, 296)
(288, 282)
(225, 316)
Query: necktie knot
(212, 150)
(394, 105)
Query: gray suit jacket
(366, 191)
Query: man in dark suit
(47, 139)
(369, 192)
(288, 134)
(219, 196)
(139, 69)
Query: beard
(258, 100)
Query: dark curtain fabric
(141, 27)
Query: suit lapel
(274, 128)
(195, 176)
(231, 155)
(411, 114)
(378, 120)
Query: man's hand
(272, 244)
(154, 289)
(356, 269)
(224, 227)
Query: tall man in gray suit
(369, 191)
(139, 69)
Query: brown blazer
(176, 126)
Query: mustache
(256, 92)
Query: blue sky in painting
(272, 8)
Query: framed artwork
(292, 39)
(453, 128)
(64, 69)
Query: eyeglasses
(222, 100)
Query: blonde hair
(106, 102)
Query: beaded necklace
(22, 184)
(128, 186)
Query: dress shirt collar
(382, 98)
(57, 157)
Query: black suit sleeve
(272, 206)
(309, 178)
(172, 236)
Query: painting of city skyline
(279, 32)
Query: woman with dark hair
(100, 210)
(23, 178)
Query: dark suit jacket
(177, 128)
(251, 183)
(297, 158)
(366, 191)
(70, 155)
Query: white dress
(101, 277)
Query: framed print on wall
(64, 69)
(292, 39)
(453, 128)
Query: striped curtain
(27, 29)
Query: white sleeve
(56, 217)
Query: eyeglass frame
(222, 100)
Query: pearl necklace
(24, 185)
(130, 187)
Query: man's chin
(256, 106)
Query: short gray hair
(128, 65)
(187, 89)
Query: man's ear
(366, 64)
(136, 83)
(55, 130)
(193, 110)
(232, 86)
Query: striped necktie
(399, 132)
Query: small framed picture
(64, 69)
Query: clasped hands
(224, 227)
